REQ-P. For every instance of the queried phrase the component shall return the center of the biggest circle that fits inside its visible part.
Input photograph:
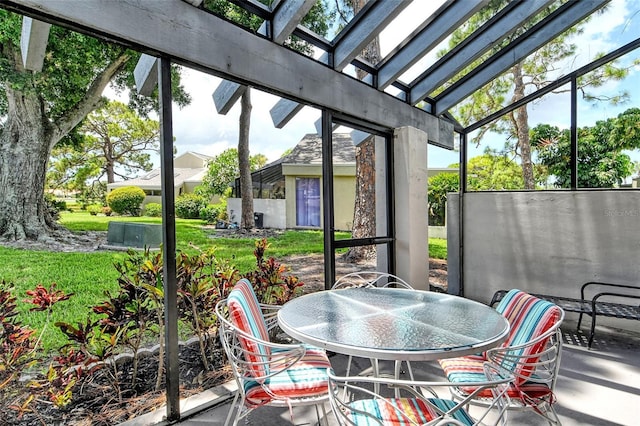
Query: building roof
(204, 157)
(309, 151)
(152, 180)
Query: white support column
(410, 190)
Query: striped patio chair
(531, 354)
(267, 373)
(371, 401)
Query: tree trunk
(25, 145)
(110, 161)
(26, 140)
(364, 217)
(364, 212)
(520, 118)
(246, 185)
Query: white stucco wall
(273, 211)
(546, 242)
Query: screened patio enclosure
(534, 240)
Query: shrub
(153, 210)
(210, 213)
(19, 358)
(438, 187)
(94, 209)
(126, 200)
(17, 343)
(188, 206)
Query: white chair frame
(545, 371)
(287, 356)
(344, 390)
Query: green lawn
(89, 275)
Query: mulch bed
(97, 401)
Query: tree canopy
(602, 162)
(224, 168)
(494, 172)
(117, 142)
(533, 73)
(439, 186)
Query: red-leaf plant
(18, 350)
(270, 282)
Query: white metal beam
(226, 95)
(288, 15)
(446, 20)
(474, 46)
(564, 18)
(33, 43)
(350, 44)
(358, 136)
(145, 74)
(195, 3)
(318, 126)
(283, 111)
(378, 16)
(201, 40)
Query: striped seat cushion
(529, 318)
(306, 378)
(469, 369)
(245, 314)
(383, 411)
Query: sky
(199, 128)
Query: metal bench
(595, 306)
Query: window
(308, 202)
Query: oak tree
(40, 109)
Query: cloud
(199, 128)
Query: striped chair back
(530, 318)
(246, 315)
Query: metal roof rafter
(629, 47)
(346, 46)
(435, 29)
(370, 21)
(284, 21)
(559, 21)
(482, 40)
(206, 42)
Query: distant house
(189, 170)
(288, 192)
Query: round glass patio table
(393, 324)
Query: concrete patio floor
(600, 386)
